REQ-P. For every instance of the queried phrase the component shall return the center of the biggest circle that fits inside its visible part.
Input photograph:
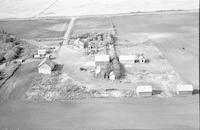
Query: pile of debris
(93, 43)
(57, 87)
(61, 87)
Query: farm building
(46, 66)
(144, 90)
(101, 60)
(184, 89)
(127, 60)
(36, 56)
(42, 52)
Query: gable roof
(127, 57)
(47, 61)
(42, 51)
(184, 87)
(102, 58)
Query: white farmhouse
(101, 60)
(127, 60)
(46, 66)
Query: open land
(36, 29)
(161, 37)
(169, 34)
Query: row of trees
(115, 64)
(10, 48)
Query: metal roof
(102, 58)
(47, 61)
(127, 57)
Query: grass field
(173, 49)
(175, 35)
(31, 29)
(92, 24)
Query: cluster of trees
(9, 46)
(6, 37)
(114, 64)
(2, 75)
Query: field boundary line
(46, 8)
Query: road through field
(69, 30)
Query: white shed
(42, 52)
(46, 66)
(184, 89)
(36, 56)
(101, 59)
(144, 90)
(127, 60)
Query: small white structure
(186, 89)
(112, 76)
(46, 66)
(36, 56)
(141, 59)
(47, 55)
(98, 70)
(144, 90)
(42, 52)
(127, 60)
(19, 60)
(79, 43)
(101, 60)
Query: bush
(1, 57)
(10, 55)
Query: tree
(1, 57)
(116, 68)
(10, 55)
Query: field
(94, 24)
(170, 33)
(168, 40)
(36, 29)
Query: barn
(46, 66)
(184, 89)
(144, 90)
(127, 60)
(101, 60)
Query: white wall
(44, 69)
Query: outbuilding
(127, 60)
(46, 66)
(184, 89)
(144, 90)
(101, 60)
(42, 52)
